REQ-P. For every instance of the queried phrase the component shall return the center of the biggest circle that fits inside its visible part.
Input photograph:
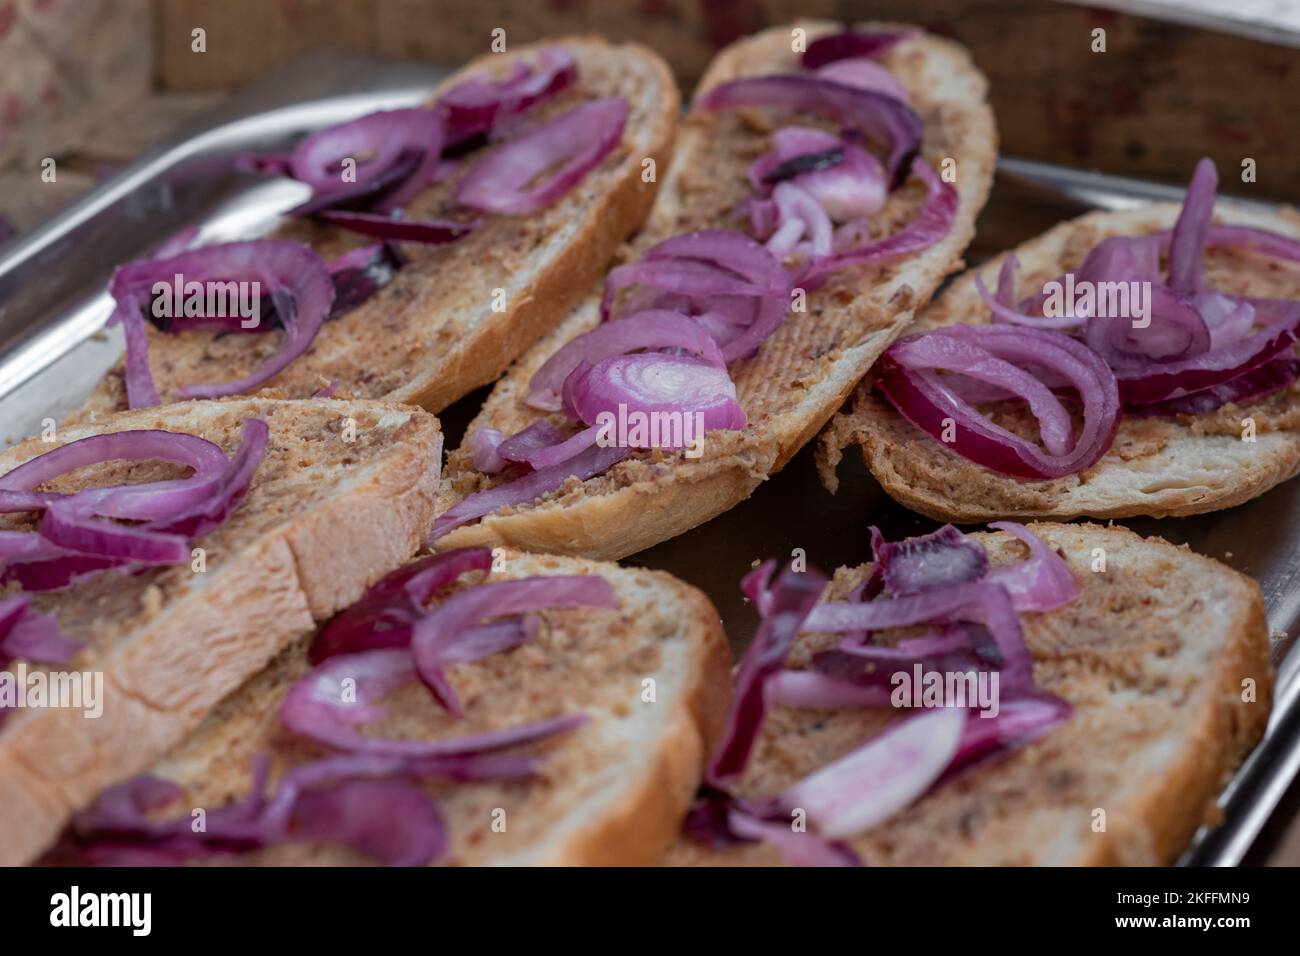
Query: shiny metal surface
(52, 351)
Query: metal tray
(53, 349)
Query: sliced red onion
(882, 118)
(279, 163)
(1019, 720)
(376, 142)
(1229, 321)
(802, 224)
(923, 398)
(986, 603)
(475, 106)
(944, 557)
(791, 600)
(728, 283)
(1042, 582)
(890, 772)
(1175, 332)
(77, 538)
(27, 634)
(846, 180)
(483, 445)
(383, 616)
(1004, 308)
(796, 150)
(797, 848)
(850, 44)
(817, 691)
(654, 329)
(1172, 380)
(315, 708)
(1250, 386)
(931, 224)
(431, 232)
(529, 439)
(594, 461)
(865, 75)
(950, 353)
(232, 486)
(436, 633)
(141, 502)
(1251, 238)
(391, 820)
(1187, 245)
(294, 276)
(656, 385)
(532, 171)
(101, 537)
(359, 274)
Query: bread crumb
(151, 601)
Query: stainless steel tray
(53, 349)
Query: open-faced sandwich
(1127, 363)
(471, 708)
(1051, 694)
(437, 243)
(823, 185)
(151, 563)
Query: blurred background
(93, 83)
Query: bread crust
(1160, 468)
(646, 820)
(614, 792)
(177, 661)
(475, 343)
(792, 390)
(1038, 805)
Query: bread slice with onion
(1163, 658)
(640, 683)
(1158, 466)
(803, 372)
(343, 493)
(456, 314)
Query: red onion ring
(291, 273)
(922, 398)
(931, 224)
(431, 232)
(652, 383)
(535, 169)
(652, 329)
(377, 142)
(475, 106)
(882, 118)
(850, 44)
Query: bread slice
(431, 335)
(1156, 466)
(613, 792)
(343, 495)
(1154, 655)
(803, 373)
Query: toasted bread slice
(1155, 466)
(432, 334)
(802, 374)
(343, 495)
(1154, 655)
(612, 792)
